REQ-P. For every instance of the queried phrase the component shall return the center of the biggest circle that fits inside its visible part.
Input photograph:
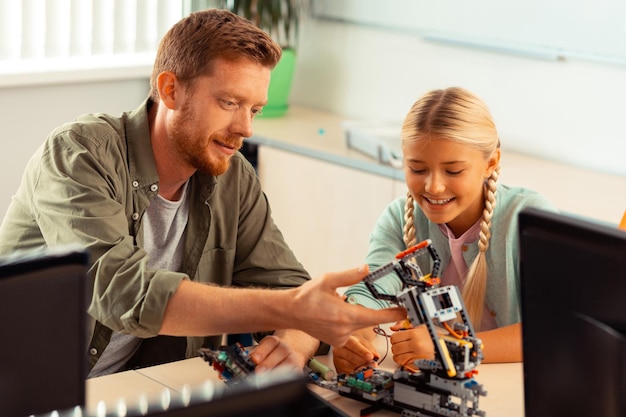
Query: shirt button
(135, 216)
(154, 188)
(493, 313)
(464, 248)
(135, 184)
(93, 351)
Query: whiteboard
(550, 29)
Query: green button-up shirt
(90, 183)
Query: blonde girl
(451, 161)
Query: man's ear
(167, 83)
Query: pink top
(456, 271)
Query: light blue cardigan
(503, 282)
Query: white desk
(503, 382)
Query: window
(56, 40)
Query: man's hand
(409, 344)
(319, 310)
(356, 353)
(315, 307)
(284, 348)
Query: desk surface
(503, 382)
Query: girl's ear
(492, 163)
(166, 86)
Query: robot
(232, 363)
(457, 351)
(442, 386)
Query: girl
(451, 153)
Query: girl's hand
(409, 344)
(356, 353)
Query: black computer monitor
(288, 398)
(42, 331)
(275, 393)
(573, 282)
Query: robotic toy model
(441, 386)
(232, 362)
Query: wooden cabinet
(325, 211)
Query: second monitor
(573, 281)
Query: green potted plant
(281, 19)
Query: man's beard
(192, 147)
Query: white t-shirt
(163, 226)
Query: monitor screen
(43, 331)
(573, 284)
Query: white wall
(29, 113)
(567, 111)
(570, 111)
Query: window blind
(38, 36)
(41, 30)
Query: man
(174, 217)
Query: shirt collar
(470, 235)
(141, 163)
